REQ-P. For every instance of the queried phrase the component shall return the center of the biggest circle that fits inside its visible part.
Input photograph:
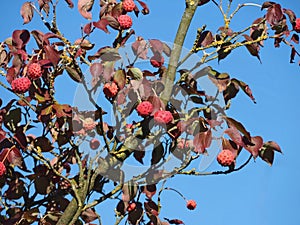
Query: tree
(163, 118)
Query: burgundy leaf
(139, 155)
(274, 146)
(231, 146)
(70, 3)
(145, 9)
(20, 137)
(102, 25)
(245, 88)
(235, 136)
(52, 54)
(151, 208)
(15, 157)
(202, 2)
(295, 38)
(156, 46)
(135, 216)
(174, 221)
(202, 141)
(20, 38)
(149, 190)
(140, 48)
(267, 5)
(84, 8)
(89, 215)
(233, 123)
(266, 153)
(39, 38)
(274, 14)
(293, 54)
(258, 143)
(252, 48)
(26, 12)
(292, 16)
(87, 29)
(231, 91)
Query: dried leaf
(84, 8)
(26, 12)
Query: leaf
(87, 29)
(151, 208)
(73, 74)
(12, 119)
(274, 14)
(224, 51)
(231, 91)
(235, 136)
(258, 143)
(292, 16)
(157, 154)
(245, 88)
(62, 110)
(89, 215)
(205, 39)
(70, 3)
(252, 48)
(15, 189)
(295, 38)
(273, 145)
(221, 80)
(140, 48)
(174, 221)
(139, 155)
(84, 44)
(43, 185)
(102, 24)
(84, 8)
(135, 216)
(202, 141)
(267, 154)
(106, 54)
(135, 73)
(129, 191)
(52, 54)
(20, 38)
(233, 123)
(26, 12)
(145, 9)
(230, 145)
(43, 144)
(121, 208)
(149, 190)
(156, 46)
(120, 78)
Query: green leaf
(135, 73)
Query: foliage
(160, 112)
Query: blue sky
(258, 194)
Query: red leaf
(149, 190)
(84, 8)
(89, 215)
(102, 25)
(235, 136)
(52, 54)
(258, 143)
(87, 29)
(156, 46)
(202, 140)
(140, 48)
(26, 12)
(70, 3)
(273, 145)
(145, 9)
(20, 38)
(174, 221)
(274, 14)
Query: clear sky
(258, 194)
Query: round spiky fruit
(145, 108)
(20, 85)
(225, 158)
(34, 71)
(125, 21)
(128, 5)
(163, 117)
(191, 204)
(94, 143)
(297, 25)
(157, 60)
(2, 169)
(110, 89)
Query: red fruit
(125, 21)
(34, 71)
(89, 124)
(131, 207)
(110, 89)
(145, 108)
(157, 60)
(94, 143)
(163, 117)
(128, 5)
(225, 158)
(2, 169)
(191, 204)
(297, 25)
(20, 85)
